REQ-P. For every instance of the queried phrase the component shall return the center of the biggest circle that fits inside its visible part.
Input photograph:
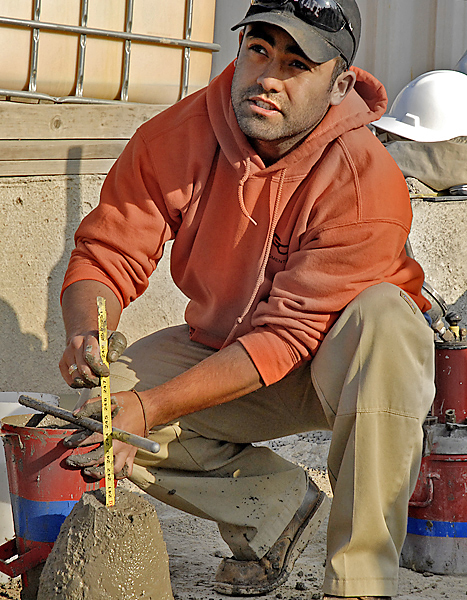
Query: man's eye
(298, 64)
(257, 48)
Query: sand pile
(103, 553)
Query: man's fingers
(78, 383)
(123, 472)
(117, 345)
(93, 409)
(96, 364)
(85, 381)
(75, 439)
(98, 472)
(82, 438)
(94, 457)
(92, 356)
(81, 365)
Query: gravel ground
(195, 547)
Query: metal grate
(127, 36)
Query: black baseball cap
(324, 29)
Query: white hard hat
(431, 108)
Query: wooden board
(65, 139)
(11, 150)
(22, 121)
(25, 168)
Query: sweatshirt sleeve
(121, 241)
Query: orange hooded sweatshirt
(267, 256)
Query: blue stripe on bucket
(436, 528)
(39, 521)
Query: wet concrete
(103, 553)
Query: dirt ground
(195, 547)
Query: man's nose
(270, 78)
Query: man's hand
(81, 364)
(127, 415)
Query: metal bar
(87, 423)
(187, 51)
(107, 33)
(82, 50)
(34, 48)
(24, 562)
(60, 100)
(127, 52)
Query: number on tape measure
(106, 407)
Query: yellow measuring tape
(106, 407)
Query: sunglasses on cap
(325, 14)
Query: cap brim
(315, 47)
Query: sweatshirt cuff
(273, 357)
(91, 274)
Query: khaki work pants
(372, 383)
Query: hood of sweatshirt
(367, 102)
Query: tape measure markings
(106, 407)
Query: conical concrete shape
(102, 553)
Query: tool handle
(87, 423)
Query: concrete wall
(38, 218)
(439, 243)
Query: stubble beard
(256, 126)
(259, 127)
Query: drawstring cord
(242, 182)
(262, 271)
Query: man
(289, 220)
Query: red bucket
(43, 491)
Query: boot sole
(298, 544)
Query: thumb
(117, 345)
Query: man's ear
(342, 86)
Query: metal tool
(87, 423)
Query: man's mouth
(263, 104)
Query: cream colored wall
(38, 218)
(402, 39)
(228, 13)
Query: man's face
(278, 94)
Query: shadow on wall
(54, 324)
(17, 350)
(27, 362)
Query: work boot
(257, 577)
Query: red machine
(437, 526)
